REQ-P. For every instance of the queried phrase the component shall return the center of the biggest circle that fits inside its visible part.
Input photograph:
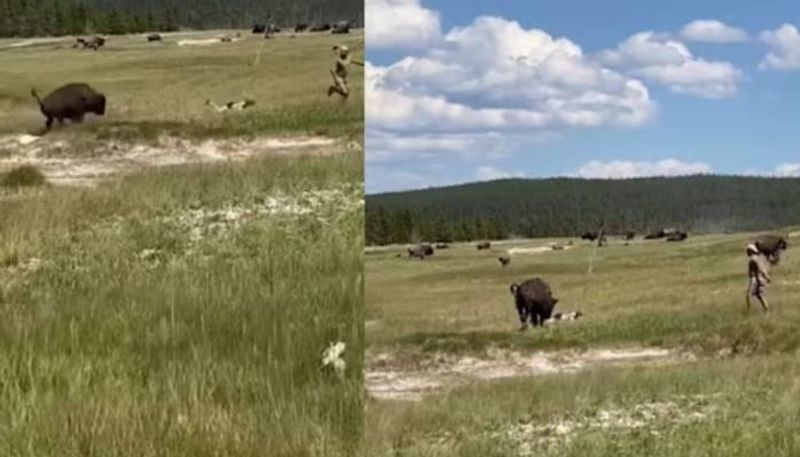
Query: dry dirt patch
(388, 379)
(66, 164)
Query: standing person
(339, 74)
(758, 273)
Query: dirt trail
(387, 380)
(67, 164)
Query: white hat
(752, 248)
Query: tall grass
(125, 331)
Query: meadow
(182, 308)
(719, 379)
(161, 87)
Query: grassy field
(182, 309)
(736, 395)
(155, 88)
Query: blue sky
(465, 91)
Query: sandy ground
(61, 164)
(388, 379)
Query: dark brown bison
(484, 245)
(421, 251)
(771, 246)
(324, 27)
(534, 301)
(630, 235)
(153, 37)
(300, 27)
(677, 236)
(341, 27)
(71, 101)
(259, 28)
(590, 235)
(504, 260)
(95, 43)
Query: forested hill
(569, 207)
(75, 17)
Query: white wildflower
(332, 357)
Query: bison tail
(36, 96)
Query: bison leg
(522, 311)
(78, 119)
(49, 123)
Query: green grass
(161, 88)
(123, 334)
(690, 296)
(648, 293)
(23, 176)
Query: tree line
(26, 18)
(533, 208)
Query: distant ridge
(569, 206)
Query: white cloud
(661, 60)
(400, 24)
(490, 173)
(496, 75)
(713, 31)
(788, 170)
(784, 43)
(620, 169)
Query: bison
(421, 251)
(484, 245)
(771, 246)
(71, 101)
(630, 235)
(259, 28)
(95, 43)
(534, 301)
(341, 27)
(677, 236)
(320, 27)
(300, 27)
(153, 37)
(504, 260)
(590, 235)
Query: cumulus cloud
(621, 169)
(661, 60)
(494, 75)
(787, 170)
(784, 44)
(713, 31)
(400, 24)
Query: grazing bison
(95, 43)
(591, 236)
(534, 301)
(259, 28)
(771, 246)
(324, 27)
(71, 101)
(153, 37)
(300, 27)
(504, 260)
(630, 235)
(677, 236)
(484, 245)
(421, 251)
(341, 27)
